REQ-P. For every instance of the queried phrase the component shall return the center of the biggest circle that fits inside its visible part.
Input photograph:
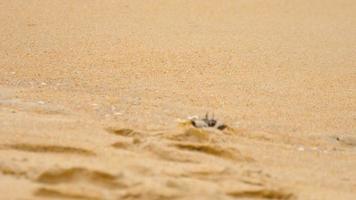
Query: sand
(94, 98)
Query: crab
(207, 122)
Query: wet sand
(93, 95)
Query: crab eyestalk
(209, 122)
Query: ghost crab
(207, 122)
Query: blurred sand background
(92, 94)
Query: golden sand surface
(94, 94)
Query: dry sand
(92, 94)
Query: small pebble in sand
(300, 148)
(43, 83)
(41, 102)
(315, 148)
(117, 113)
(193, 117)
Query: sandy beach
(95, 98)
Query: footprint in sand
(80, 174)
(78, 183)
